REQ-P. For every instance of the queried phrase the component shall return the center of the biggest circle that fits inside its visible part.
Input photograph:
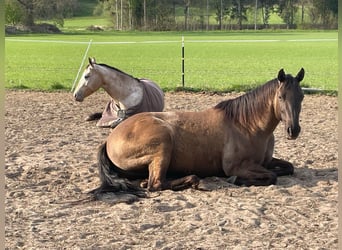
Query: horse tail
(106, 167)
(110, 181)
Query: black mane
(118, 70)
(244, 109)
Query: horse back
(153, 97)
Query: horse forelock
(248, 109)
(290, 81)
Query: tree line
(182, 14)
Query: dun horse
(234, 138)
(130, 95)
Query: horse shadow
(303, 176)
(310, 177)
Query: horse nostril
(78, 98)
(293, 132)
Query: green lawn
(216, 61)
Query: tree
(139, 14)
(326, 10)
(222, 10)
(137, 10)
(267, 7)
(45, 9)
(13, 12)
(333, 7)
(186, 13)
(287, 10)
(238, 11)
(164, 18)
(28, 11)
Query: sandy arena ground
(50, 160)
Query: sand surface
(50, 154)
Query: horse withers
(233, 139)
(129, 95)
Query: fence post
(183, 61)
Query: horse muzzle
(78, 97)
(293, 132)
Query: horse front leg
(280, 167)
(251, 174)
(277, 166)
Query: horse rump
(111, 183)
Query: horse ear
(300, 75)
(281, 75)
(92, 61)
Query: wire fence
(200, 72)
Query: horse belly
(201, 160)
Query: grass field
(215, 61)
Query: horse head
(288, 99)
(89, 82)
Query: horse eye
(86, 76)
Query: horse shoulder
(240, 147)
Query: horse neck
(258, 112)
(125, 90)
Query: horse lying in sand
(129, 95)
(234, 138)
